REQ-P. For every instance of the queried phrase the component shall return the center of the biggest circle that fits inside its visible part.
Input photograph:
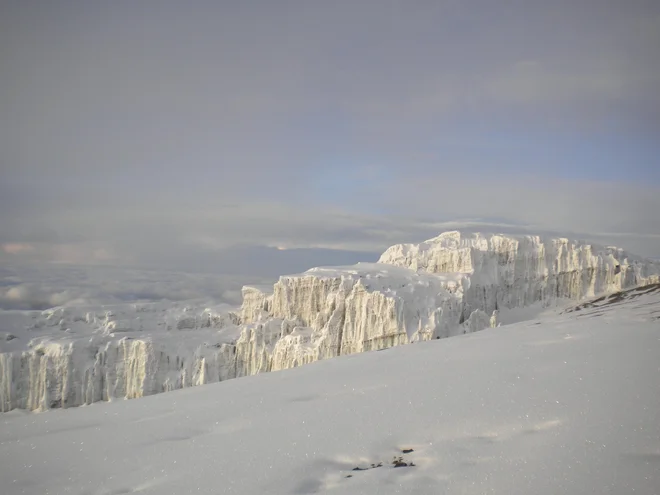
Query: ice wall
(449, 285)
(67, 357)
(332, 311)
(517, 271)
(256, 302)
(72, 374)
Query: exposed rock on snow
(449, 285)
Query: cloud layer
(42, 286)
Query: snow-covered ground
(564, 404)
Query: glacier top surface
(395, 281)
(488, 240)
(378, 271)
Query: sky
(260, 136)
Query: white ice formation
(505, 271)
(446, 286)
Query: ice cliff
(327, 312)
(449, 285)
(67, 357)
(503, 271)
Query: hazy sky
(165, 133)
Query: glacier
(505, 271)
(453, 284)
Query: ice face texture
(517, 271)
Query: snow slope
(565, 404)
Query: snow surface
(565, 404)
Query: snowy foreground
(563, 404)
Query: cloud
(585, 208)
(201, 139)
(42, 286)
(530, 82)
(212, 238)
(194, 90)
(35, 297)
(17, 247)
